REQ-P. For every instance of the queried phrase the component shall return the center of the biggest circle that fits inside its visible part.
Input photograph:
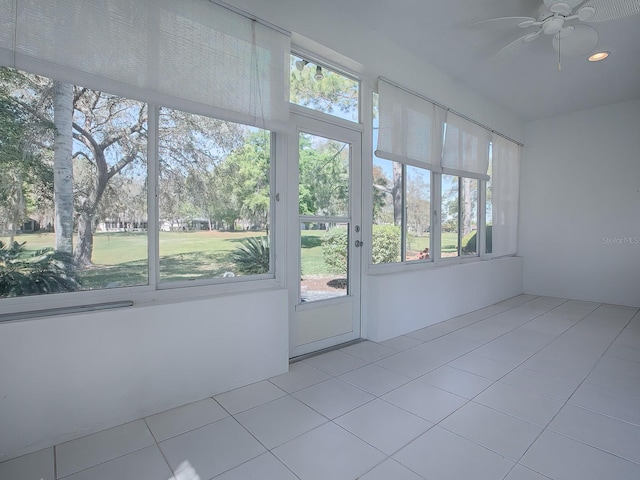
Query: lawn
(120, 258)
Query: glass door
(326, 297)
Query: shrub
(252, 256)
(44, 271)
(469, 242)
(386, 244)
(334, 249)
(385, 248)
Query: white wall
(403, 302)
(580, 191)
(67, 376)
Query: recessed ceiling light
(596, 57)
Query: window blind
(192, 55)
(466, 148)
(505, 180)
(410, 128)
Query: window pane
(322, 89)
(418, 214)
(449, 239)
(323, 261)
(214, 198)
(387, 211)
(469, 215)
(387, 204)
(73, 189)
(324, 176)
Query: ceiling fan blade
(582, 40)
(612, 9)
(517, 45)
(501, 23)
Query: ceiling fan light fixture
(585, 13)
(598, 56)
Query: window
(74, 186)
(459, 208)
(140, 156)
(420, 145)
(214, 198)
(401, 230)
(322, 89)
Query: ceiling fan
(565, 21)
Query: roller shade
(505, 181)
(410, 128)
(189, 54)
(466, 148)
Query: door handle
(358, 243)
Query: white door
(325, 296)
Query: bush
(469, 242)
(386, 244)
(44, 271)
(334, 249)
(252, 256)
(385, 248)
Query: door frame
(299, 313)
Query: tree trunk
(84, 247)
(396, 193)
(63, 166)
(467, 207)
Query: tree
(63, 165)
(324, 177)
(25, 172)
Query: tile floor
(531, 388)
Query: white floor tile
(279, 421)
(456, 381)
(145, 464)
(212, 449)
(546, 385)
(562, 458)
(264, 467)
(401, 343)
(184, 419)
(525, 405)
(433, 331)
(497, 431)
(484, 367)
(301, 375)
(606, 433)
(328, 452)
(368, 351)
(609, 403)
(391, 470)
(333, 397)
(385, 426)
(523, 473)
(442, 455)
(374, 379)
(413, 362)
(336, 362)
(34, 466)
(426, 401)
(86, 452)
(244, 398)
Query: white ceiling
(527, 83)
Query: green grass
(120, 259)
(312, 262)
